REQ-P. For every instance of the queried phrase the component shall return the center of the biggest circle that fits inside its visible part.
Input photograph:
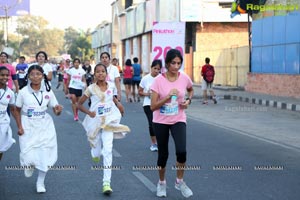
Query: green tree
(78, 43)
(13, 42)
(36, 36)
(71, 35)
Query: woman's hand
(173, 92)
(58, 109)
(20, 131)
(92, 114)
(185, 104)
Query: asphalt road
(222, 165)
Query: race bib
(77, 84)
(3, 110)
(34, 113)
(103, 109)
(169, 109)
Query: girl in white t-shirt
(7, 98)
(144, 90)
(42, 58)
(37, 134)
(113, 75)
(102, 122)
(76, 83)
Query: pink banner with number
(166, 36)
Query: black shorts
(127, 81)
(60, 77)
(136, 82)
(77, 92)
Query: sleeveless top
(127, 72)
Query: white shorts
(206, 85)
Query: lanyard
(2, 94)
(39, 102)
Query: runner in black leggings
(171, 95)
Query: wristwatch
(189, 100)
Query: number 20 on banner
(159, 51)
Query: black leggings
(149, 115)
(178, 132)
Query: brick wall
(220, 35)
(274, 84)
(226, 44)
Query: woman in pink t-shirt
(66, 76)
(168, 103)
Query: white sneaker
(214, 98)
(185, 190)
(161, 190)
(153, 147)
(28, 171)
(40, 188)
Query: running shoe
(40, 188)
(28, 171)
(96, 159)
(106, 189)
(76, 117)
(185, 190)
(214, 99)
(205, 102)
(153, 147)
(161, 190)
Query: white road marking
(145, 181)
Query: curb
(264, 102)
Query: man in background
(21, 71)
(208, 74)
(136, 79)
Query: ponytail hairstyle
(156, 62)
(39, 68)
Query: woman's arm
(188, 100)
(49, 76)
(82, 108)
(131, 70)
(17, 115)
(119, 106)
(142, 93)
(57, 109)
(84, 81)
(118, 86)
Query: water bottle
(173, 99)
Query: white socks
(41, 177)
